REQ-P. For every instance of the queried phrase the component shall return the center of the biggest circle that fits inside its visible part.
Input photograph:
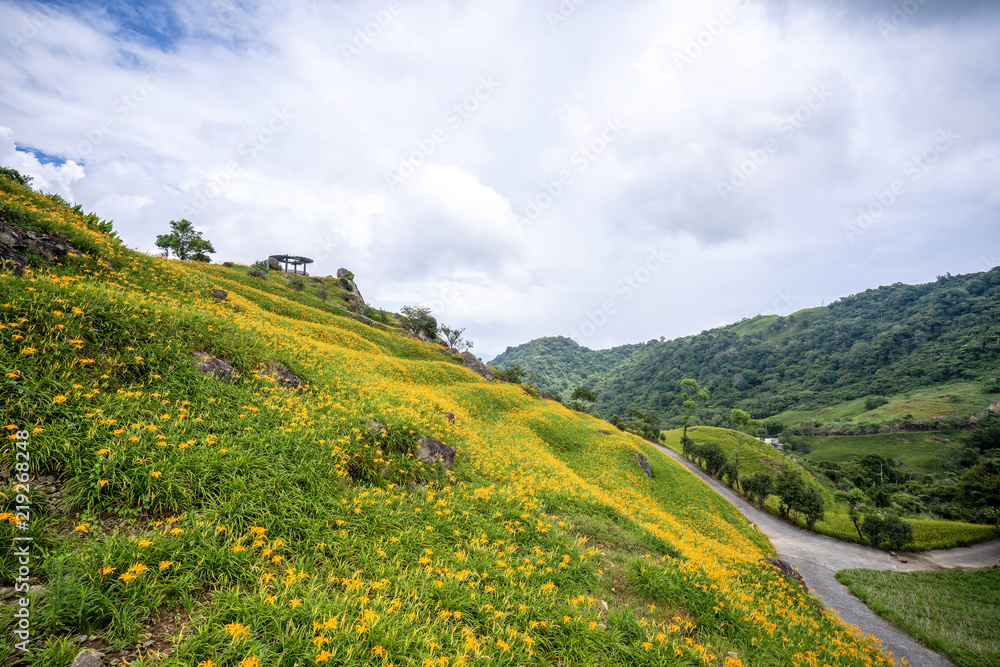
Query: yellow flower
(144, 543)
(237, 630)
(323, 656)
(28, 350)
(250, 661)
(238, 548)
(107, 570)
(59, 399)
(164, 564)
(294, 603)
(176, 531)
(102, 482)
(156, 473)
(82, 527)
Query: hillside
(241, 518)
(882, 343)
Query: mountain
(878, 343)
(208, 465)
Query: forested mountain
(880, 342)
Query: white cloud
(251, 121)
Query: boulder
(228, 265)
(470, 361)
(218, 367)
(603, 432)
(282, 376)
(375, 427)
(220, 294)
(88, 657)
(785, 569)
(450, 416)
(344, 273)
(644, 464)
(433, 451)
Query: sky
(612, 172)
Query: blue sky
(614, 173)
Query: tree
(184, 240)
(693, 397)
(514, 373)
(758, 486)
(322, 292)
(14, 175)
(886, 531)
(856, 504)
(421, 320)
(296, 284)
(787, 486)
(714, 457)
(810, 504)
(980, 487)
(743, 422)
(453, 336)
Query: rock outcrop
(470, 361)
(644, 464)
(14, 241)
(435, 451)
(282, 376)
(218, 367)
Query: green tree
(787, 486)
(184, 240)
(980, 487)
(693, 398)
(453, 336)
(583, 394)
(421, 320)
(886, 531)
(856, 503)
(810, 504)
(758, 486)
(514, 373)
(744, 423)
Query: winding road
(818, 558)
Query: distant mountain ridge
(883, 341)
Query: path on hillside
(818, 558)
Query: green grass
(923, 452)
(755, 456)
(954, 613)
(938, 403)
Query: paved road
(819, 557)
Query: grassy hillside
(920, 452)
(246, 523)
(931, 349)
(757, 456)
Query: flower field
(277, 527)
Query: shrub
(886, 531)
(758, 486)
(873, 402)
(258, 270)
(296, 284)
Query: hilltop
(929, 353)
(286, 506)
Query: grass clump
(955, 613)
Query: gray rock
(375, 427)
(220, 294)
(603, 432)
(219, 368)
(283, 376)
(433, 451)
(475, 365)
(450, 416)
(88, 657)
(644, 464)
(228, 265)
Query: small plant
(322, 292)
(296, 284)
(258, 270)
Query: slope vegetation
(880, 343)
(243, 522)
